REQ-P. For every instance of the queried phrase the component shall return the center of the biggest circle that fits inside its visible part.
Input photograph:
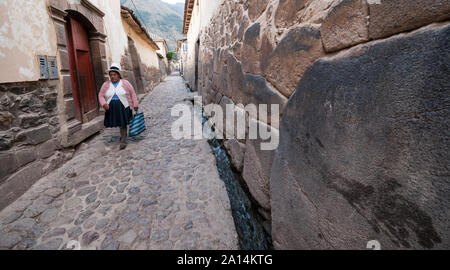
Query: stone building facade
(181, 54)
(163, 61)
(53, 60)
(364, 89)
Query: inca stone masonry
(364, 135)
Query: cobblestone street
(159, 193)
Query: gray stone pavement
(159, 193)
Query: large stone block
(257, 170)
(228, 130)
(364, 149)
(256, 8)
(102, 49)
(47, 149)
(292, 57)
(265, 49)
(35, 136)
(287, 12)
(79, 135)
(222, 83)
(8, 164)
(259, 92)
(345, 25)
(25, 156)
(64, 60)
(18, 183)
(67, 85)
(61, 34)
(395, 16)
(250, 50)
(69, 103)
(237, 152)
(236, 80)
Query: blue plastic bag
(137, 124)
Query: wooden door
(83, 86)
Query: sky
(173, 1)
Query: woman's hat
(115, 68)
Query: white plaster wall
(146, 52)
(118, 32)
(201, 16)
(117, 40)
(26, 30)
(162, 48)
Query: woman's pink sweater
(131, 94)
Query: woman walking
(118, 98)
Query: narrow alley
(325, 125)
(159, 193)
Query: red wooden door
(83, 86)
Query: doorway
(197, 49)
(136, 62)
(83, 86)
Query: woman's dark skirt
(117, 115)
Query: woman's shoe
(123, 146)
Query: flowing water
(247, 220)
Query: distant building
(163, 49)
(164, 62)
(182, 54)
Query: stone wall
(163, 68)
(149, 76)
(29, 136)
(365, 92)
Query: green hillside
(162, 19)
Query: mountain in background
(178, 8)
(161, 19)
